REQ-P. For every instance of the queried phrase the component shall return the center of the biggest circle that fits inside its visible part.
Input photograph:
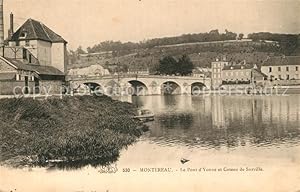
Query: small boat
(144, 115)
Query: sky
(88, 22)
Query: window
(17, 43)
(27, 43)
(270, 69)
(287, 68)
(18, 78)
(23, 35)
(25, 54)
(279, 77)
(296, 68)
(287, 77)
(29, 60)
(279, 68)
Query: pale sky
(87, 22)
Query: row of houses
(282, 70)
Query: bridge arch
(197, 88)
(171, 88)
(137, 88)
(93, 86)
(88, 87)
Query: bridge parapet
(86, 77)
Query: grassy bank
(87, 130)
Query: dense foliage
(85, 129)
(147, 54)
(118, 46)
(288, 42)
(170, 66)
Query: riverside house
(216, 72)
(231, 74)
(33, 61)
(283, 70)
(242, 74)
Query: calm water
(211, 132)
(230, 122)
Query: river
(257, 135)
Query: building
(138, 71)
(44, 44)
(282, 70)
(93, 70)
(34, 60)
(17, 77)
(216, 72)
(242, 74)
(202, 72)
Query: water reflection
(229, 121)
(210, 132)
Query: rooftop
(35, 30)
(39, 69)
(200, 70)
(239, 67)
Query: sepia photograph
(149, 95)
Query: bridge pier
(185, 89)
(155, 90)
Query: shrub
(85, 129)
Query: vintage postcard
(149, 95)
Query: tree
(79, 50)
(72, 57)
(184, 65)
(241, 35)
(167, 65)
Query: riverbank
(78, 130)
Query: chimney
(1, 24)
(11, 27)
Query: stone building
(34, 61)
(284, 70)
(224, 73)
(242, 74)
(216, 72)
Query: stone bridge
(139, 84)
